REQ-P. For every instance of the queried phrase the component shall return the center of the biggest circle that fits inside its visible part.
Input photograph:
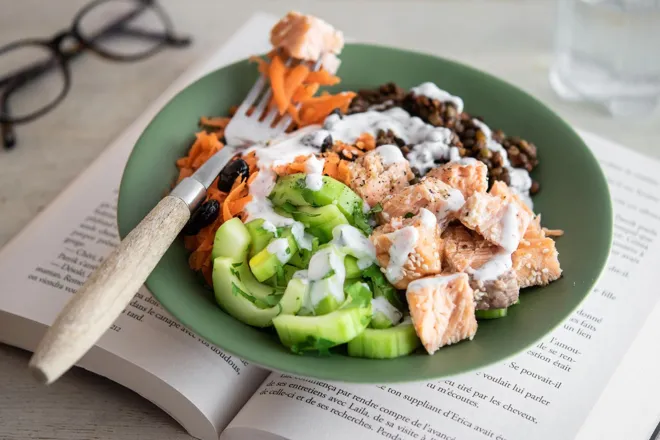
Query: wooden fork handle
(93, 309)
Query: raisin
(230, 172)
(204, 216)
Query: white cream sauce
(403, 243)
(429, 221)
(314, 171)
(350, 240)
(279, 248)
(389, 154)
(454, 202)
(519, 180)
(432, 91)
(382, 305)
(322, 263)
(303, 239)
(501, 262)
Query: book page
(52, 257)
(544, 393)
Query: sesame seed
(528, 265)
(545, 270)
(545, 251)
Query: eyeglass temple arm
(168, 37)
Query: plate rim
(292, 368)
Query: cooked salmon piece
(464, 248)
(466, 251)
(372, 180)
(306, 37)
(497, 218)
(442, 310)
(430, 193)
(467, 178)
(408, 248)
(498, 293)
(501, 189)
(536, 262)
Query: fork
(109, 289)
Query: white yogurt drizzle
(432, 91)
(382, 305)
(279, 248)
(389, 154)
(429, 221)
(519, 180)
(454, 201)
(351, 241)
(303, 239)
(403, 243)
(314, 171)
(501, 262)
(321, 264)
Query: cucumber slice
(293, 189)
(281, 279)
(231, 240)
(351, 267)
(260, 236)
(301, 257)
(385, 315)
(400, 340)
(327, 305)
(382, 287)
(271, 260)
(320, 221)
(289, 189)
(234, 296)
(306, 333)
(490, 313)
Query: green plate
(574, 197)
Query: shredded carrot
(553, 232)
(315, 110)
(238, 205)
(344, 172)
(322, 77)
(262, 65)
(366, 142)
(276, 74)
(305, 92)
(252, 177)
(294, 79)
(218, 122)
(235, 193)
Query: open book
(547, 392)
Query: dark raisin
(223, 140)
(204, 216)
(327, 144)
(534, 188)
(230, 172)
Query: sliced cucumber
(273, 257)
(231, 240)
(382, 287)
(385, 315)
(351, 267)
(400, 340)
(327, 305)
(234, 296)
(320, 221)
(260, 236)
(281, 279)
(305, 333)
(490, 313)
(301, 257)
(289, 189)
(293, 189)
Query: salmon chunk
(430, 193)
(372, 180)
(466, 251)
(467, 178)
(499, 293)
(501, 189)
(442, 310)
(306, 37)
(408, 248)
(536, 262)
(497, 218)
(464, 248)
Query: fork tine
(252, 96)
(284, 123)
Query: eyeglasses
(116, 30)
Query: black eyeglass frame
(60, 57)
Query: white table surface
(511, 39)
